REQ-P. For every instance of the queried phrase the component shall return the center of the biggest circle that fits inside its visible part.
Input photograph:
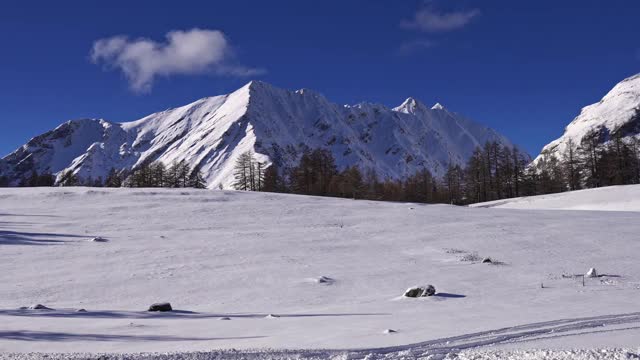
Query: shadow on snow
(18, 335)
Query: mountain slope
(609, 198)
(278, 125)
(618, 113)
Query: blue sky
(524, 68)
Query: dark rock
(39, 307)
(160, 307)
(487, 261)
(420, 291)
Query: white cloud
(193, 51)
(410, 47)
(430, 20)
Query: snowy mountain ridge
(618, 113)
(277, 124)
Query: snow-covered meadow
(246, 256)
(611, 198)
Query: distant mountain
(278, 125)
(617, 114)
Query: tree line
(493, 172)
(154, 174)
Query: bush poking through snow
(592, 273)
(162, 307)
(454, 251)
(470, 257)
(420, 291)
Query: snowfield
(259, 259)
(612, 198)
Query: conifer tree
(196, 180)
(68, 178)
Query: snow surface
(216, 254)
(278, 125)
(618, 109)
(611, 198)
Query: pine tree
(114, 180)
(157, 175)
(242, 172)
(273, 182)
(196, 180)
(571, 166)
(68, 178)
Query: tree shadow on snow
(8, 237)
(29, 215)
(25, 335)
(104, 314)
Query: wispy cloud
(429, 19)
(410, 47)
(190, 52)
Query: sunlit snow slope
(612, 198)
(617, 114)
(278, 125)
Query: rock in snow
(591, 273)
(276, 124)
(420, 291)
(324, 280)
(39, 307)
(160, 307)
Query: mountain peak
(437, 106)
(411, 106)
(616, 114)
(258, 85)
(276, 124)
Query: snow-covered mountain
(618, 113)
(276, 124)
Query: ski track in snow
(450, 347)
